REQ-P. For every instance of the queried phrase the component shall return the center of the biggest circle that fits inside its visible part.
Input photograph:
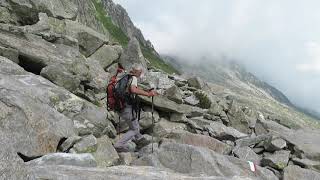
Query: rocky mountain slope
(231, 78)
(56, 57)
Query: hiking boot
(122, 149)
(142, 142)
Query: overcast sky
(277, 40)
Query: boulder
(198, 123)
(307, 163)
(238, 119)
(28, 123)
(61, 77)
(247, 154)
(148, 148)
(215, 109)
(39, 53)
(105, 154)
(191, 160)
(163, 104)
(251, 141)
(195, 82)
(126, 158)
(68, 143)
(146, 118)
(176, 117)
(297, 173)
(132, 54)
(174, 94)
(87, 144)
(275, 144)
(185, 137)
(222, 132)
(106, 55)
(306, 141)
(191, 100)
(82, 160)
(89, 40)
(159, 80)
(10, 53)
(278, 160)
(27, 11)
(7, 17)
(164, 127)
(116, 173)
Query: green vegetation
(114, 30)
(119, 36)
(205, 102)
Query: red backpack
(116, 90)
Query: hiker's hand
(153, 93)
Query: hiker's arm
(139, 91)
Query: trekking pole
(119, 127)
(152, 125)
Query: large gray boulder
(158, 79)
(238, 119)
(87, 144)
(132, 54)
(275, 144)
(195, 82)
(58, 99)
(106, 55)
(191, 100)
(164, 127)
(307, 163)
(185, 137)
(297, 173)
(197, 161)
(164, 104)
(61, 76)
(146, 118)
(27, 11)
(174, 94)
(68, 143)
(278, 160)
(222, 132)
(116, 173)
(252, 141)
(105, 154)
(247, 154)
(82, 160)
(306, 141)
(10, 53)
(39, 53)
(7, 17)
(28, 123)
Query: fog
(278, 41)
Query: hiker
(129, 113)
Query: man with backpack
(129, 110)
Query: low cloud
(313, 65)
(276, 40)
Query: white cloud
(269, 37)
(313, 55)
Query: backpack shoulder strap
(129, 82)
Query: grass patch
(106, 21)
(205, 102)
